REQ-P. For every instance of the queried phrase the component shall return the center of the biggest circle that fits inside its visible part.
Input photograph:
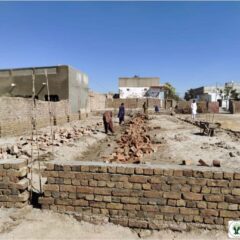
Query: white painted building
(136, 87)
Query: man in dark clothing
(121, 113)
(107, 121)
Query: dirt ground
(34, 224)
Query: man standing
(194, 109)
(121, 113)
(107, 121)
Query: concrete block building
(136, 87)
(64, 83)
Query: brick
(112, 169)
(116, 206)
(172, 195)
(120, 170)
(148, 171)
(132, 200)
(138, 171)
(209, 212)
(146, 186)
(187, 173)
(129, 171)
(176, 180)
(178, 173)
(87, 190)
(227, 175)
(207, 174)
(66, 174)
(201, 204)
(212, 205)
(215, 190)
(107, 198)
(236, 191)
(138, 179)
(232, 199)
(98, 198)
(237, 176)
(152, 194)
(131, 207)
(98, 204)
(192, 196)
(155, 179)
(44, 200)
(63, 201)
(229, 214)
(101, 176)
(103, 191)
(233, 207)
(67, 188)
(85, 176)
(218, 175)
(206, 189)
(197, 181)
(137, 186)
(222, 205)
(99, 184)
(121, 192)
(119, 178)
(84, 168)
(181, 203)
(80, 202)
(149, 208)
(102, 169)
(217, 183)
(75, 182)
(167, 172)
(172, 202)
(158, 171)
(168, 209)
(214, 198)
(196, 189)
(176, 187)
(185, 188)
(234, 183)
(93, 168)
(198, 174)
(189, 211)
(135, 223)
(50, 174)
(51, 187)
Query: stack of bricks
(143, 196)
(13, 183)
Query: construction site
(160, 175)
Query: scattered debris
(216, 163)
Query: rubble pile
(42, 142)
(134, 142)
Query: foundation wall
(142, 196)
(234, 106)
(13, 183)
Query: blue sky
(188, 44)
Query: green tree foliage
(171, 92)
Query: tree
(171, 91)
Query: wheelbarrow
(208, 128)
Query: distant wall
(142, 196)
(203, 107)
(16, 115)
(234, 106)
(97, 101)
(133, 103)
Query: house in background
(136, 87)
(65, 83)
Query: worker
(145, 108)
(156, 109)
(121, 113)
(194, 109)
(107, 121)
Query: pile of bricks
(43, 141)
(13, 183)
(134, 143)
(141, 196)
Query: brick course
(143, 194)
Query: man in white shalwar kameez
(194, 109)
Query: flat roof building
(64, 83)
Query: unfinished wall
(16, 115)
(203, 107)
(97, 101)
(234, 106)
(143, 196)
(13, 183)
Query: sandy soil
(34, 224)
